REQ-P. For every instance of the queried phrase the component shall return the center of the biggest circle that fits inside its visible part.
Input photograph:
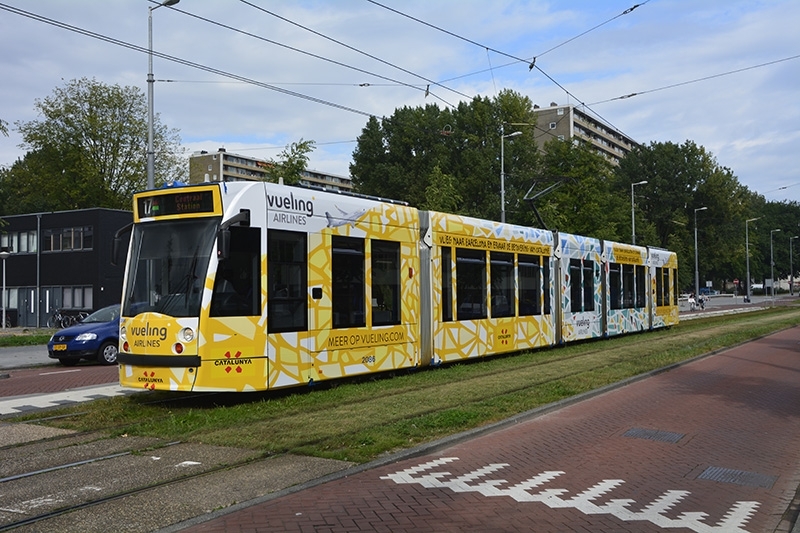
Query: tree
(580, 201)
(88, 150)
(396, 157)
(442, 193)
(3, 127)
(681, 179)
(292, 161)
(43, 180)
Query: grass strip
(358, 421)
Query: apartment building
(225, 166)
(569, 122)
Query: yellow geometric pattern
(584, 324)
(630, 319)
(665, 315)
(465, 339)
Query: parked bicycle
(59, 319)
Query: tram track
(147, 486)
(49, 515)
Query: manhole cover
(654, 434)
(739, 477)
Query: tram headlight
(187, 334)
(123, 333)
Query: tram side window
(641, 287)
(447, 284)
(546, 286)
(237, 286)
(581, 285)
(470, 284)
(666, 286)
(661, 293)
(530, 283)
(349, 288)
(615, 285)
(287, 281)
(502, 269)
(674, 272)
(385, 283)
(575, 292)
(588, 285)
(627, 286)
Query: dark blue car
(96, 338)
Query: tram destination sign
(177, 203)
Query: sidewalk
(710, 446)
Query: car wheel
(107, 354)
(68, 362)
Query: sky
(253, 76)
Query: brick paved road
(711, 446)
(42, 380)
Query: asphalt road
(25, 356)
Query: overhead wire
(427, 89)
(783, 188)
(280, 147)
(697, 80)
(528, 61)
(174, 59)
(532, 61)
(167, 57)
(309, 83)
(273, 86)
(304, 52)
(627, 11)
(219, 72)
(340, 43)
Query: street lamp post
(791, 266)
(633, 215)
(4, 254)
(503, 136)
(747, 255)
(772, 262)
(150, 82)
(696, 267)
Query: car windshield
(168, 263)
(106, 314)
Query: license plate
(59, 347)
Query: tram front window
(168, 264)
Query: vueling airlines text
(153, 336)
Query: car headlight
(86, 337)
